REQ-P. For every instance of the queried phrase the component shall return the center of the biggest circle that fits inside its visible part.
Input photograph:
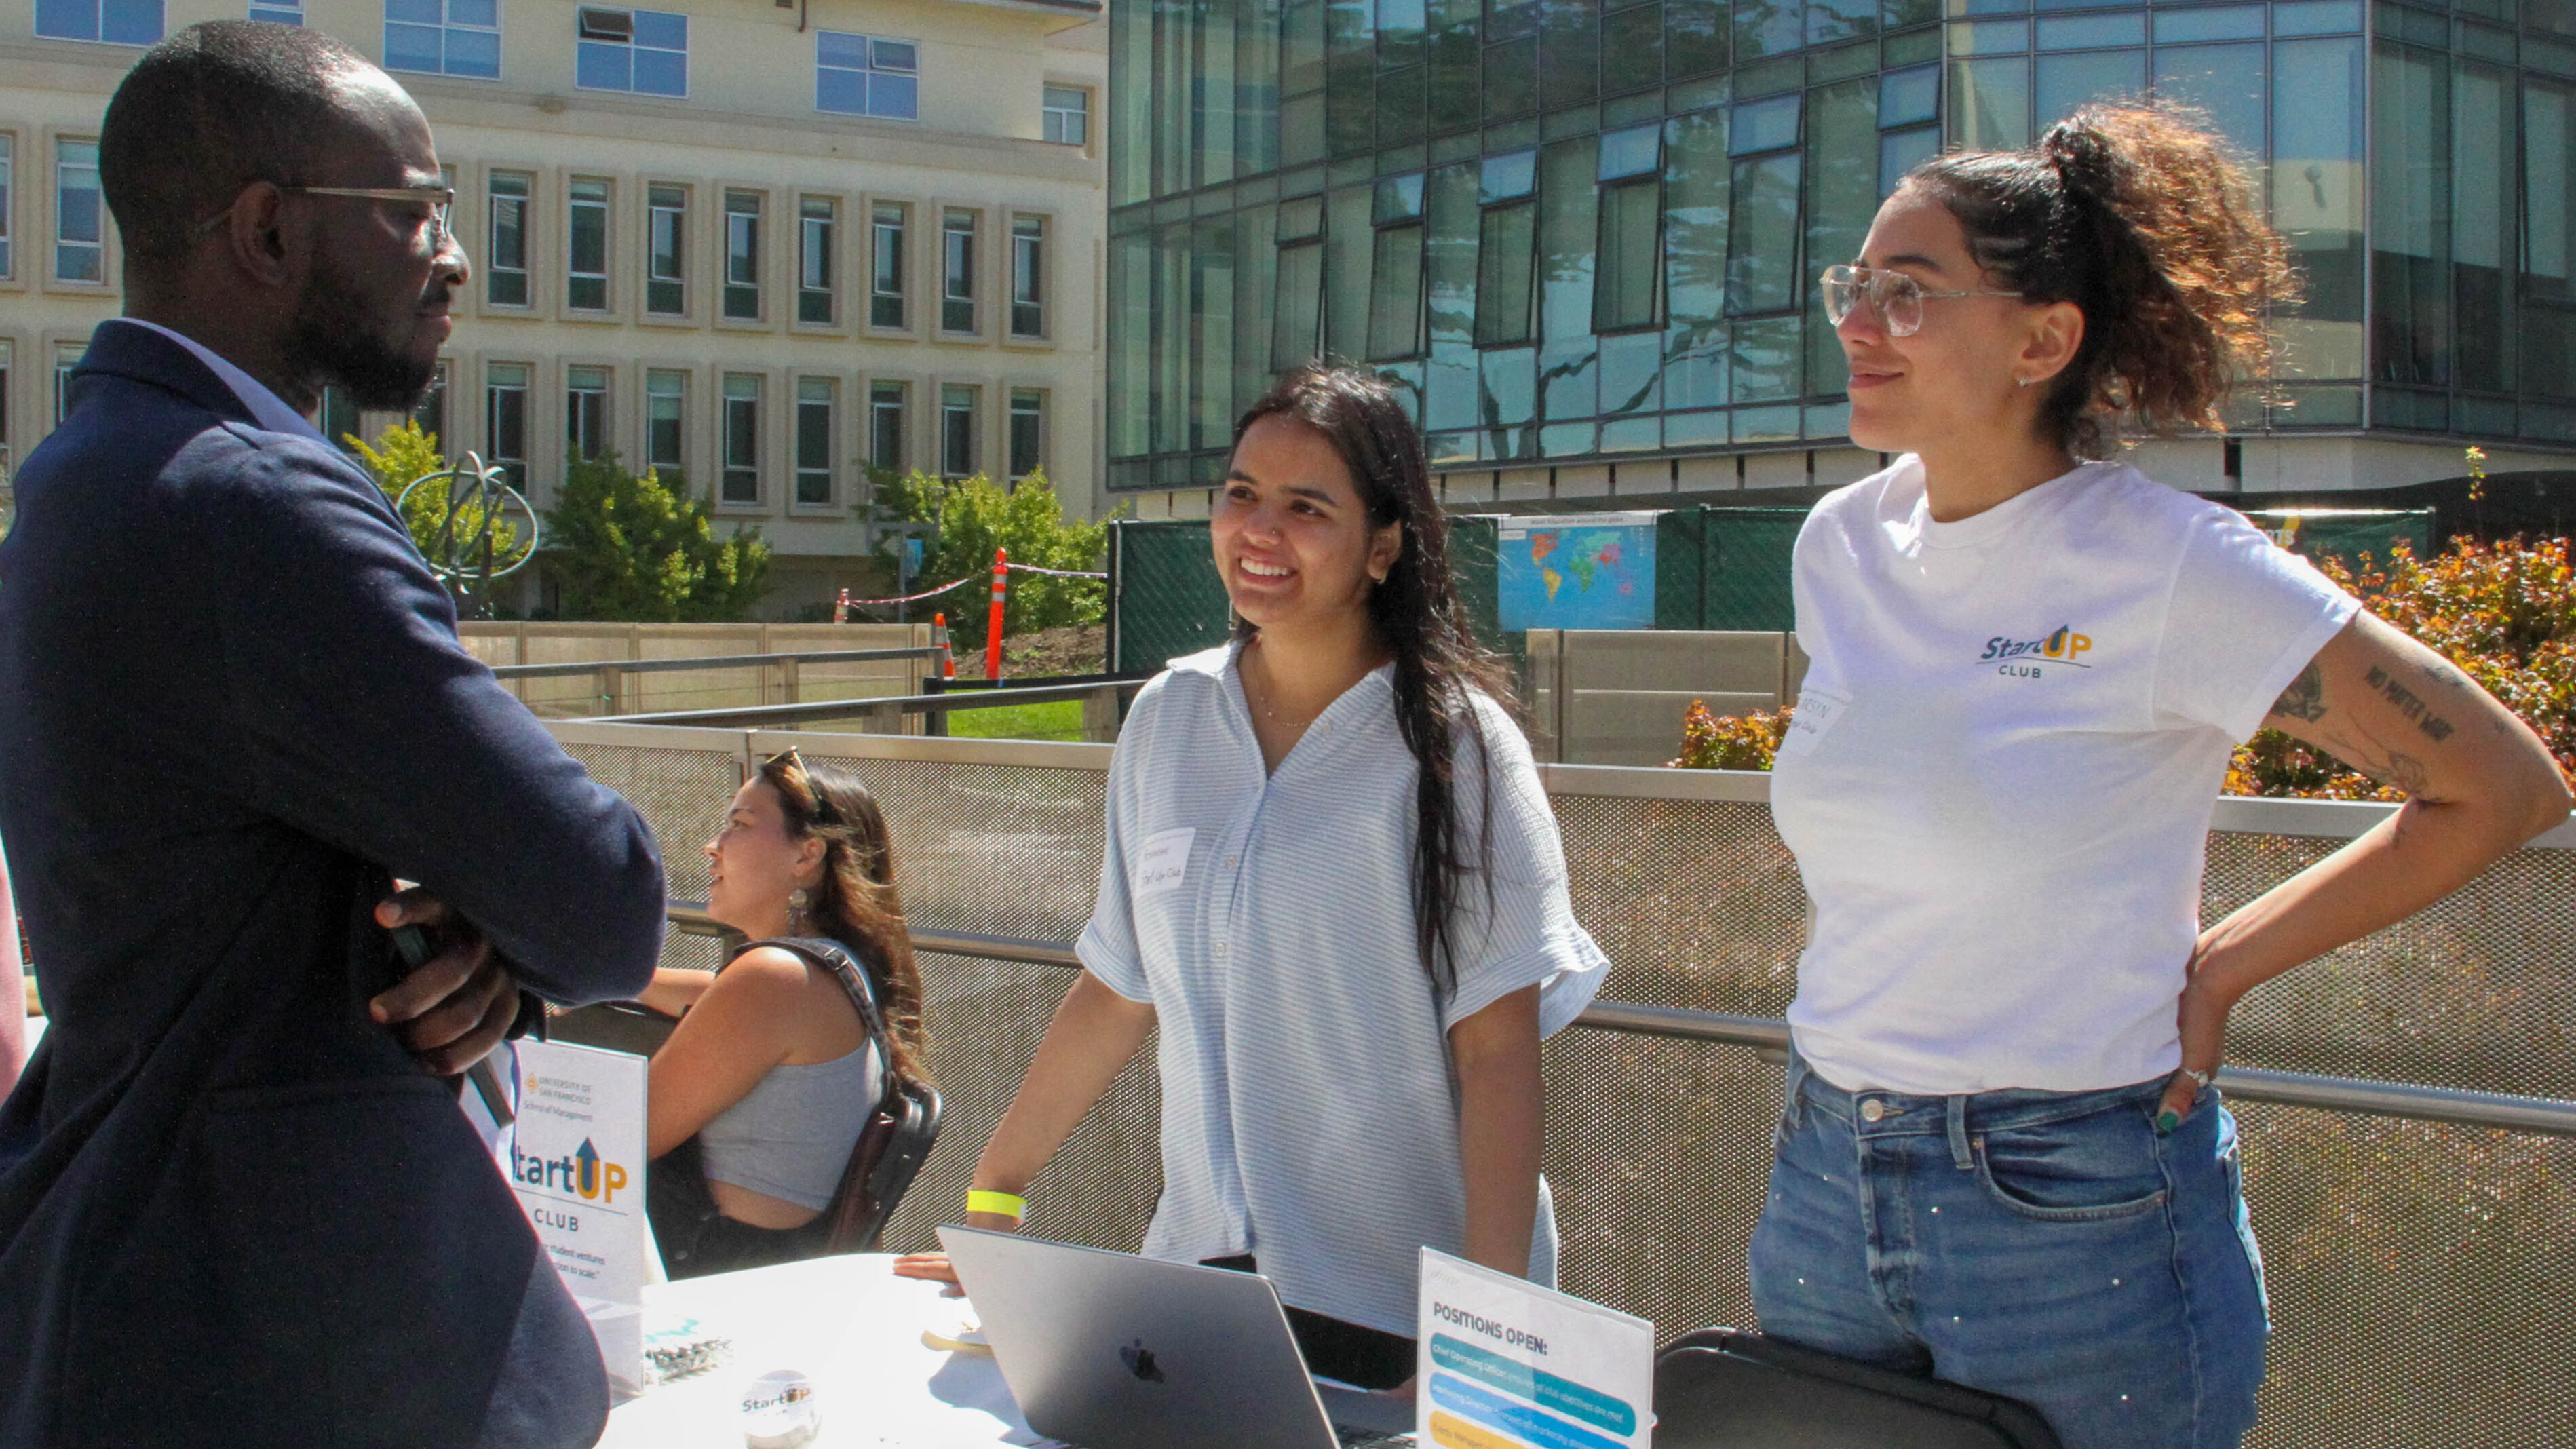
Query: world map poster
(1577, 571)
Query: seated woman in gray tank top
(759, 1095)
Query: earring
(2022, 381)
(800, 911)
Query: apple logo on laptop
(1140, 1362)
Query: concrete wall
(575, 696)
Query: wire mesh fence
(2418, 1270)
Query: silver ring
(2200, 1077)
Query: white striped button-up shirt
(1310, 1112)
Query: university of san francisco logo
(2032, 658)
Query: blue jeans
(2050, 1246)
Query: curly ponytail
(2146, 221)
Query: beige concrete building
(763, 245)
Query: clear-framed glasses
(1896, 297)
(441, 201)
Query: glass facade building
(1588, 230)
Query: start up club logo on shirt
(2032, 658)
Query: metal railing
(2407, 1104)
(884, 714)
(610, 676)
(1770, 1037)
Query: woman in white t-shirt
(1333, 880)
(2001, 1162)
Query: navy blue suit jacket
(232, 1210)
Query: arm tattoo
(2305, 698)
(2403, 771)
(2434, 726)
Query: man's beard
(329, 346)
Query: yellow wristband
(1001, 1204)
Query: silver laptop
(1113, 1351)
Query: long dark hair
(855, 903)
(2145, 220)
(1439, 666)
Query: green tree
(973, 516)
(402, 456)
(636, 550)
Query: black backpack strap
(834, 957)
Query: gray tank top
(791, 1137)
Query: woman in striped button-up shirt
(1334, 880)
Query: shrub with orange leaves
(1731, 742)
(2505, 613)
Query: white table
(850, 1325)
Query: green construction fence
(1715, 568)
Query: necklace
(1268, 712)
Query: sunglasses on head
(825, 812)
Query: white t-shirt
(2003, 764)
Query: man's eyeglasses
(1895, 297)
(441, 201)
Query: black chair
(1724, 1388)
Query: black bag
(1726, 1387)
(899, 1134)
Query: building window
(643, 51)
(66, 359)
(505, 257)
(80, 217)
(866, 75)
(1028, 432)
(6, 358)
(337, 417)
(1629, 249)
(957, 272)
(741, 438)
(585, 413)
(1507, 240)
(287, 14)
(505, 421)
(8, 192)
(814, 441)
(110, 22)
(742, 255)
(1028, 276)
(885, 426)
(1909, 111)
(1395, 272)
(1068, 115)
(444, 37)
(818, 221)
(431, 416)
(587, 267)
(885, 267)
(666, 402)
(957, 430)
(666, 224)
(1762, 270)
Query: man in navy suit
(237, 1204)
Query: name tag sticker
(1163, 862)
(1817, 710)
